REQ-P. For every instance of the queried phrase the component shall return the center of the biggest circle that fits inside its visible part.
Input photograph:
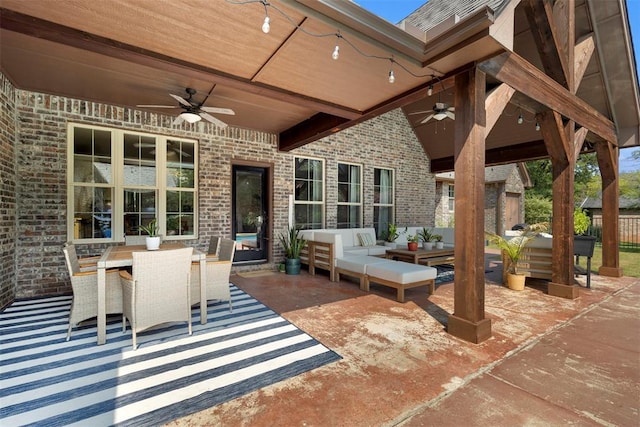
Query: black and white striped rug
(45, 380)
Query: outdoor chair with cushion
(157, 291)
(83, 264)
(214, 245)
(84, 284)
(218, 272)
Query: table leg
(102, 305)
(203, 291)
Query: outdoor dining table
(121, 256)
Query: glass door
(249, 213)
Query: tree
(541, 176)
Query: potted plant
(153, 240)
(513, 247)
(391, 236)
(583, 245)
(412, 242)
(439, 242)
(293, 244)
(426, 234)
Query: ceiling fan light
(440, 115)
(190, 117)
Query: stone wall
(40, 176)
(7, 192)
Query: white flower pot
(427, 245)
(153, 243)
(439, 245)
(390, 245)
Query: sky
(396, 10)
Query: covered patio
(568, 66)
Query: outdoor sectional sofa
(354, 252)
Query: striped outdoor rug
(45, 380)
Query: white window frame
(391, 205)
(321, 203)
(118, 186)
(359, 204)
(451, 197)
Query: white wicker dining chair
(82, 264)
(214, 245)
(85, 291)
(218, 272)
(157, 291)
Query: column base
(469, 331)
(610, 271)
(563, 291)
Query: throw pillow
(366, 239)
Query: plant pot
(292, 266)
(427, 245)
(413, 246)
(153, 243)
(516, 281)
(439, 245)
(584, 245)
(391, 245)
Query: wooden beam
(309, 130)
(564, 24)
(607, 156)
(495, 104)
(515, 71)
(556, 142)
(35, 27)
(583, 52)
(541, 24)
(578, 141)
(468, 320)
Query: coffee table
(422, 256)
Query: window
(383, 201)
(119, 180)
(349, 195)
(452, 202)
(309, 193)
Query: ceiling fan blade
(425, 120)
(178, 120)
(451, 115)
(208, 117)
(217, 110)
(177, 150)
(420, 112)
(181, 100)
(157, 106)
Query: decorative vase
(153, 243)
(427, 245)
(516, 281)
(413, 246)
(390, 245)
(292, 266)
(439, 245)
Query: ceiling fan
(194, 111)
(440, 111)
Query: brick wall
(40, 172)
(7, 193)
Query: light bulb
(430, 90)
(392, 77)
(265, 26)
(336, 53)
(537, 126)
(520, 119)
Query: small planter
(292, 266)
(427, 245)
(153, 243)
(391, 245)
(439, 245)
(516, 281)
(412, 246)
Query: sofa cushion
(377, 250)
(354, 250)
(366, 239)
(401, 272)
(330, 237)
(358, 263)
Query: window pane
(139, 162)
(92, 213)
(308, 216)
(180, 164)
(348, 216)
(139, 209)
(92, 156)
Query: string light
(430, 90)
(336, 51)
(538, 126)
(520, 119)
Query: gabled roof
(624, 203)
(494, 174)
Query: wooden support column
(468, 321)
(559, 142)
(607, 155)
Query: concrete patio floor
(550, 361)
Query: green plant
(292, 243)
(392, 233)
(412, 238)
(426, 234)
(514, 246)
(151, 229)
(581, 222)
(437, 237)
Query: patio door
(249, 213)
